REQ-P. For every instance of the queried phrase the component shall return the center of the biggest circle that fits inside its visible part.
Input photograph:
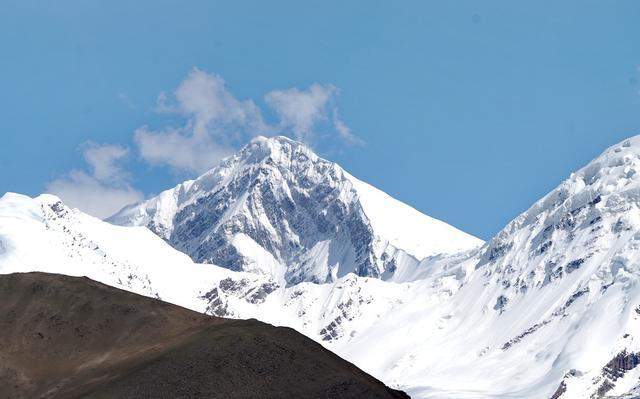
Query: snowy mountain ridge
(277, 208)
(555, 294)
(548, 308)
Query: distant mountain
(277, 208)
(69, 337)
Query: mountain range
(547, 308)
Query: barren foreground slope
(70, 337)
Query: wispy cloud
(101, 191)
(215, 122)
(179, 150)
(344, 131)
(126, 100)
(104, 161)
(300, 110)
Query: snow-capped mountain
(555, 293)
(548, 308)
(277, 208)
(42, 234)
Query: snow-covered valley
(549, 307)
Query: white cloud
(102, 192)
(182, 152)
(104, 159)
(205, 98)
(85, 192)
(300, 110)
(344, 131)
(216, 122)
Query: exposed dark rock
(229, 285)
(596, 200)
(544, 247)
(595, 220)
(501, 303)
(574, 265)
(496, 250)
(620, 364)
(616, 368)
(562, 310)
(333, 330)
(526, 332)
(605, 387)
(216, 306)
(552, 272)
(260, 294)
(562, 388)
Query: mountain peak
(274, 141)
(274, 145)
(617, 165)
(613, 175)
(277, 208)
(277, 150)
(567, 235)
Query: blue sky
(468, 110)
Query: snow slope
(277, 208)
(550, 306)
(42, 234)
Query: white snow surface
(404, 227)
(550, 305)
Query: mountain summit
(277, 208)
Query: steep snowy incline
(549, 307)
(42, 234)
(562, 280)
(404, 227)
(276, 208)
